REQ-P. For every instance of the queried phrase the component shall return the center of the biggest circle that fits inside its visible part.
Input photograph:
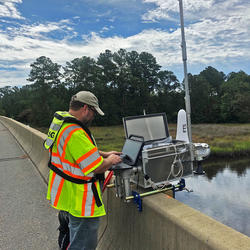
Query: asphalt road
(26, 219)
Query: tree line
(126, 83)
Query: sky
(217, 33)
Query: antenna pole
(187, 95)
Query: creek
(223, 193)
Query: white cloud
(16, 78)
(106, 29)
(8, 9)
(220, 35)
(168, 9)
(27, 48)
(39, 30)
(207, 42)
(216, 31)
(195, 10)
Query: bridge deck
(26, 219)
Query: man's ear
(85, 108)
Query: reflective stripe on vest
(84, 163)
(56, 188)
(69, 169)
(66, 132)
(49, 142)
(89, 160)
(55, 126)
(87, 200)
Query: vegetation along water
(225, 140)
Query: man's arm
(112, 159)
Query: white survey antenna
(182, 128)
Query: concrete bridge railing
(31, 141)
(165, 223)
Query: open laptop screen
(132, 149)
(150, 127)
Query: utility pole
(187, 95)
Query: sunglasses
(92, 108)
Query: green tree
(199, 98)
(106, 89)
(214, 78)
(126, 83)
(2, 111)
(10, 101)
(143, 80)
(25, 113)
(134, 81)
(206, 95)
(235, 101)
(169, 96)
(81, 73)
(45, 75)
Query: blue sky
(217, 33)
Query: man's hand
(112, 159)
(107, 154)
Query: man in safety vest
(75, 163)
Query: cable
(177, 162)
(174, 164)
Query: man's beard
(87, 123)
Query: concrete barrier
(164, 224)
(31, 141)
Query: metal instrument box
(162, 159)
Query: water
(223, 194)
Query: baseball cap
(88, 98)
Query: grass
(109, 138)
(225, 140)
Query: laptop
(130, 153)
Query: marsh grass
(109, 138)
(225, 140)
(231, 140)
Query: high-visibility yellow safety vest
(73, 153)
